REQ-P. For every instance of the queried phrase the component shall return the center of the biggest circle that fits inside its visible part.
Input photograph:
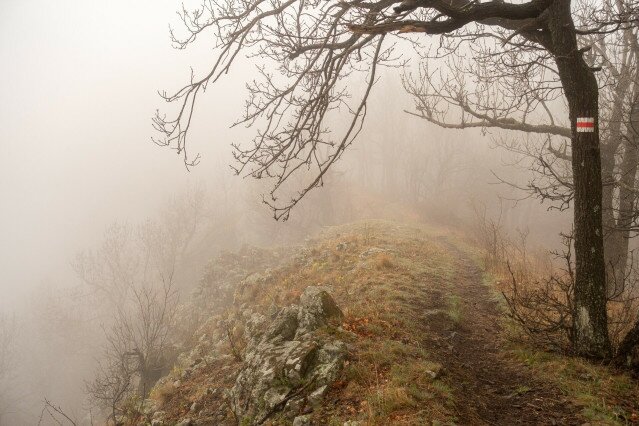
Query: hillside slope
(418, 339)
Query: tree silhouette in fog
(308, 48)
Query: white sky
(78, 82)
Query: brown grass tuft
(384, 261)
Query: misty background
(78, 86)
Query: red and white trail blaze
(585, 124)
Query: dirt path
(489, 388)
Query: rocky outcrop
(288, 366)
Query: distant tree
(133, 277)
(138, 350)
(314, 45)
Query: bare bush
(542, 304)
(138, 350)
(489, 234)
(132, 276)
(56, 413)
(539, 290)
(544, 308)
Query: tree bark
(616, 233)
(612, 243)
(581, 91)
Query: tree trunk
(612, 246)
(581, 91)
(627, 213)
(615, 234)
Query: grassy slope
(380, 273)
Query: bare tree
(133, 277)
(519, 89)
(56, 413)
(138, 350)
(147, 253)
(314, 45)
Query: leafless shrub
(138, 348)
(623, 305)
(544, 308)
(132, 276)
(235, 340)
(112, 384)
(56, 413)
(490, 234)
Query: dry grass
(162, 392)
(389, 376)
(605, 396)
(383, 261)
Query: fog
(78, 84)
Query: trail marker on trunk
(585, 124)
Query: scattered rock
(254, 279)
(304, 420)
(372, 251)
(318, 308)
(149, 406)
(316, 397)
(435, 371)
(185, 374)
(342, 246)
(287, 362)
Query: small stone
(372, 251)
(304, 420)
(149, 406)
(432, 374)
(315, 398)
(435, 371)
(176, 384)
(195, 407)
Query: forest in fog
(397, 174)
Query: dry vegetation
(386, 277)
(372, 270)
(535, 291)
